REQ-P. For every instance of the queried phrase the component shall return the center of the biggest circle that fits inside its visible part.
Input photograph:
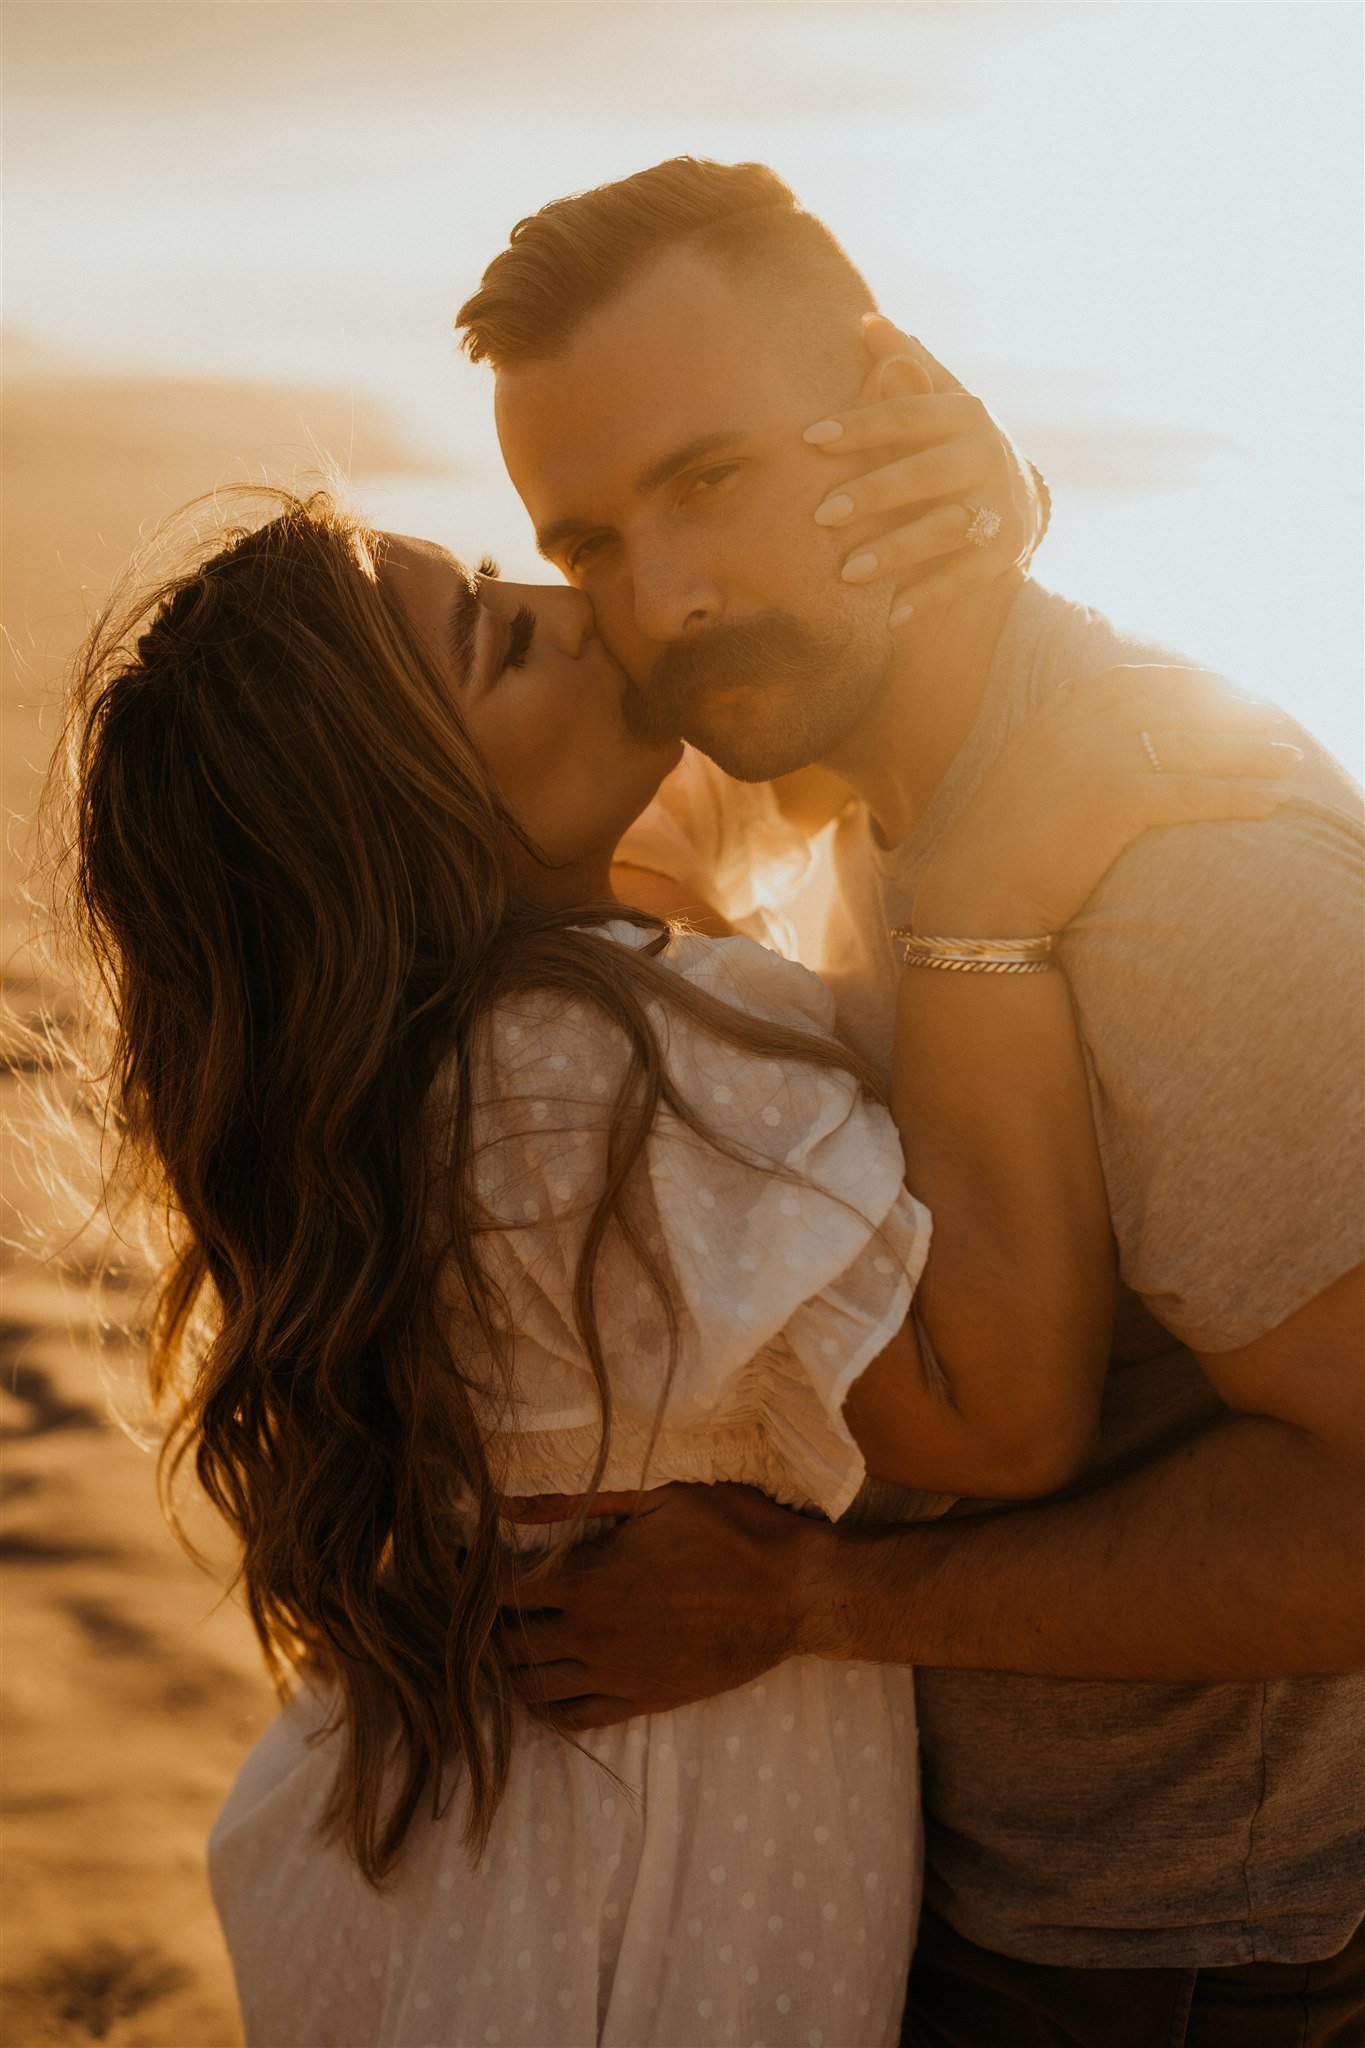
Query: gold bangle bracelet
(977, 956)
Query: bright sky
(1134, 228)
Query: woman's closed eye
(518, 633)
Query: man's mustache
(749, 654)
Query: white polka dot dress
(742, 1871)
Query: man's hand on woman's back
(700, 1590)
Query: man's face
(661, 460)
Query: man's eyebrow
(696, 450)
(462, 627)
(549, 538)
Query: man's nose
(673, 599)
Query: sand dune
(131, 1687)
(131, 1690)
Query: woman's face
(542, 701)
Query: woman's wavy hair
(294, 887)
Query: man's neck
(902, 747)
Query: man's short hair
(580, 253)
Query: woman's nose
(565, 616)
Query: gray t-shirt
(1218, 976)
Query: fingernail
(1283, 747)
(859, 567)
(901, 614)
(824, 430)
(833, 511)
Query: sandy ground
(131, 1690)
(131, 1685)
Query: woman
(483, 1185)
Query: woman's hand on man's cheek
(952, 503)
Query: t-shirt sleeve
(728, 840)
(1218, 977)
(792, 1248)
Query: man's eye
(708, 480)
(584, 550)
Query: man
(1141, 1702)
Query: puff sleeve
(793, 1247)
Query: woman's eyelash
(520, 634)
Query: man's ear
(898, 377)
(884, 341)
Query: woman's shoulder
(565, 1025)
(742, 972)
(727, 840)
(559, 1053)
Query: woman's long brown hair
(294, 884)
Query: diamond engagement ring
(1150, 751)
(984, 527)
